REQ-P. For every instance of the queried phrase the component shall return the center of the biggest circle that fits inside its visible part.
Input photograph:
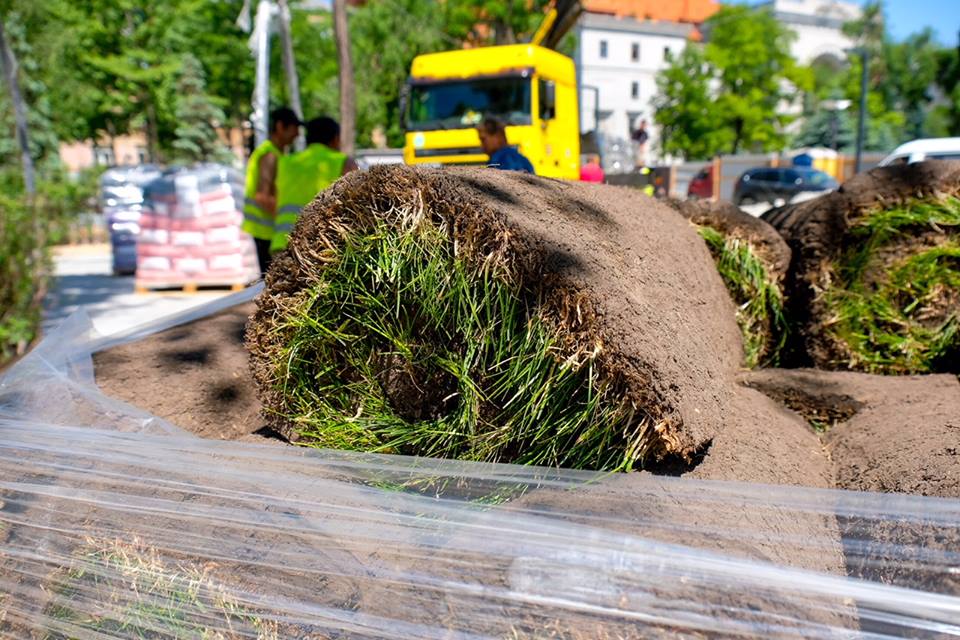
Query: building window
(635, 90)
(666, 53)
(635, 52)
(603, 48)
(104, 156)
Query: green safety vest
(300, 177)
(257, 222)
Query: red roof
(695, 11)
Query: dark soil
(196, 375)
(817, 232)
(612, 267)
(897, 435)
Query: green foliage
(902, 77)
(23, 266)
(111, 66)
(689, 123)
(825, 128)
(727, 98)
(197, 117)
(900, 316)
(26, 232)
(759, 300)
(402, 348)
(385, 38)
(43, 140)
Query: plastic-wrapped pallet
(191, 231)
(121, 199)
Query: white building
(617, 63)
(818, 25)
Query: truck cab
(531, 89)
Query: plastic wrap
(116, 524)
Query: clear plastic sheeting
(116, 524)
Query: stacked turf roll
(492, 316)
(876, 281)
(753, 260)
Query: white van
(924, 149)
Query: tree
(912, 69)
(9, 63)
(829, 129)
(347, 92)
(944, 117)
(690, 126)
(729, 94)
(901, 82)
(198, 118)
(111, 65)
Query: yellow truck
(532, 89)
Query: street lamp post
(862, 120)
(835, 106)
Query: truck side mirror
(548, 100)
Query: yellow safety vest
(300, 177)
(257, 222)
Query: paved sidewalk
(83, 280)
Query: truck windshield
(463, 103)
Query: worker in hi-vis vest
(301, 176)
(260, 192)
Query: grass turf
(759, 300)
(900, 313)
(126, 589)
(402, 347)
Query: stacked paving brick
(190, 231)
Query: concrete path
(83, 280)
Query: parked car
(701, 186)
(779, 186)
(924, 149)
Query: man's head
(324, 130)
(493, 135)
(284, 126)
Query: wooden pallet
(188, 287)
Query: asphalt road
(83, 280)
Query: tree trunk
(289, 65)
(737, 134)
(112, 137)
(347, 93)
(9, 62)
(153, 137)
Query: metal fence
(728, 169)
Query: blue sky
(907, 16)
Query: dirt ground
(888, 434)
(196, 376)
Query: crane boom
(558, 21)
